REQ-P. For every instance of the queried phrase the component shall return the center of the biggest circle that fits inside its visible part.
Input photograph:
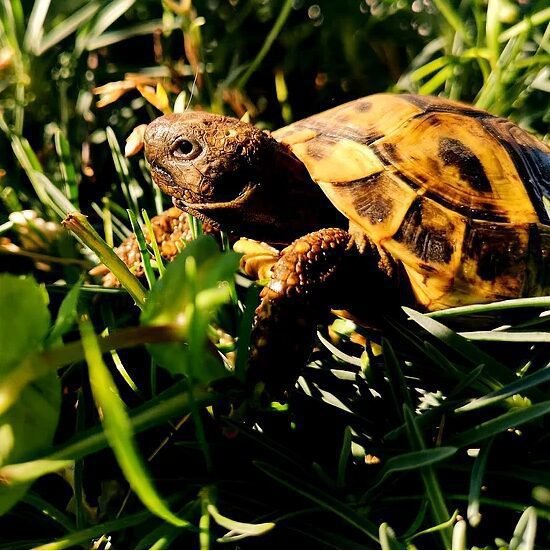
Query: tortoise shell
(452, 193)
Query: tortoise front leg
(303, 285)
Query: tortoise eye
(186, 149)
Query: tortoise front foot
(302, 286)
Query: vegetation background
(437, 439)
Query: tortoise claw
(258, 258)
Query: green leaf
(24, 320)
(67, 314)
(188, 295)
(414, 460)
(118, 430)
(28, 426)
(242, 528)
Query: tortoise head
(232, 174)
(211, 165)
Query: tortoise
(384, 200)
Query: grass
(121, 423)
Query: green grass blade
(414, 460)
(500, 424)
(56, 198)
(122, 168)
(245, 331)
(266, 46)
(145, 256)
(387, 537)
(118, 429)
(507, 336)
(66, 165)
(461, 345)
(453, 18)
(323, 499)
(67, 314)
(525, 531)
(398, 386)
(130, 31)
(67, 27)
(108, 15)
(35, 26)
(476, 481)
(158, 257)
(46, 508)
(345, 453)
(522, 385)
(72, 539)
(79, 225)
(433, 490)
(525, 24)
(532, 302)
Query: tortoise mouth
(227, 194)
(201, 203)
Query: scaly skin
(303, 281)
(247, 183)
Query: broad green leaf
(24, 320)
(188, 295)
(118, 430)
(28, 426)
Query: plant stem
(79, 225)
(276, 29)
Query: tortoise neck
(295, 204)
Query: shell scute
(452, 193)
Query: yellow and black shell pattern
(452, 193)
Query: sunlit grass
(435, 436)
